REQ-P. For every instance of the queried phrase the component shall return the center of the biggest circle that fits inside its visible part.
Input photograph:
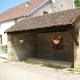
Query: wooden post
(73, 36)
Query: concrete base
(51, 62)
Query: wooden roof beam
(73, 36)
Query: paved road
(22, 71)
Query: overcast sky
(6, 4)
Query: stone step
(50, 62)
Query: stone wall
(77, 48)
(45, 47)
(40, 46)
(21, 51)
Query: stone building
(32, 8)
(53, 36)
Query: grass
(53, 66)
(72, 70)
(30, 62)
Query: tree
(77, 3)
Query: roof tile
(48, 20)
(20, 10)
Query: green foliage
(53, 66)
(72, 70)
(46, 65)
(4, 48)
(77, 3)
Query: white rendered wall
(50, 7)
(62, 5)
(5, 26)
(46, 7)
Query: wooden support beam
(75, 31)
(73, 36)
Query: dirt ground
(23, 71)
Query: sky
(7, 4)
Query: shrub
(4, 48)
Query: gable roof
(47, 20)
(21, 10)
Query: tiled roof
(47, 20)
(20, 10)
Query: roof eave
(37, 28)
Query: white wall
(4, 26)
(62, 5)
(53, 7)
(46, 7)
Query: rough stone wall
(40, 46)
(77, 48)
(45, 47)
(21, 51)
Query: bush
(4, 48)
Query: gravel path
(22, 71)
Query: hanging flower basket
(21, 40)
(56, 40)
